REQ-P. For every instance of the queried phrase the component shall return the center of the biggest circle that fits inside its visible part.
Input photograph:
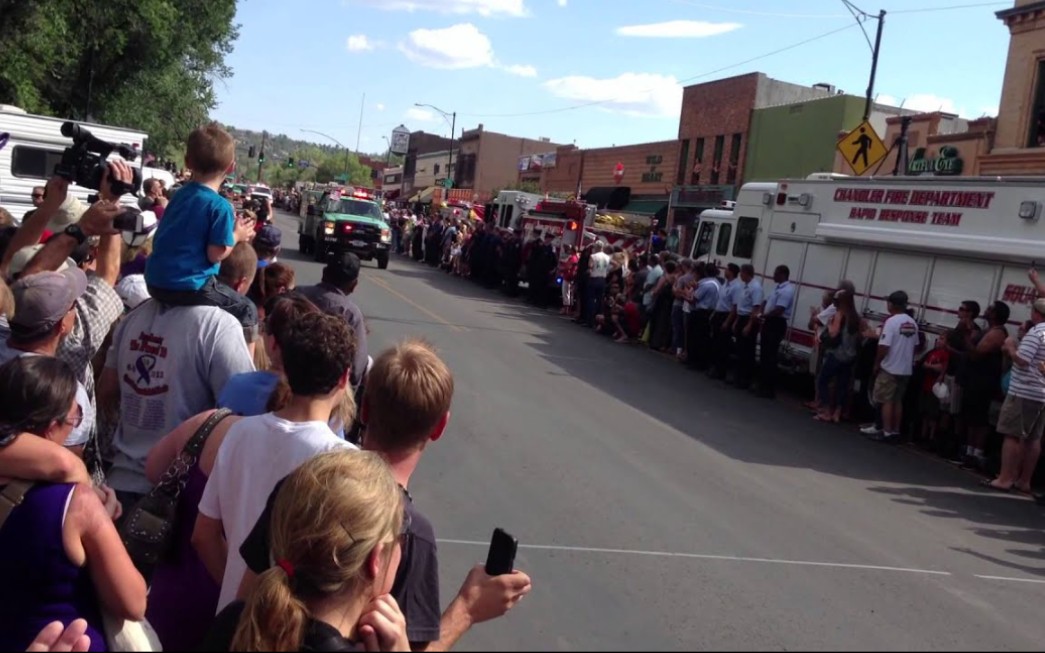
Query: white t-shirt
(900, 335)
(600, 265)
(257, 453)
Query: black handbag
(148, 530)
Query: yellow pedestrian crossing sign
(862, 148)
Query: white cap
(132, 290)
(139, 238)
(70, 212)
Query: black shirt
(416, 586)
(332, 301)
(319, 636)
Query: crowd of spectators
(947, 392)
(180, 440)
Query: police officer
(775, 317)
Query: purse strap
(11, 497)
(176, 476)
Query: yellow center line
(438, 318)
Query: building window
(734, 159)
(716, 161)
(747, 231)
(435, 169)
(698, 163)
(1037, 115)
(683, 162)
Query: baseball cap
(898, 299)
(1039, 305)
(345, 268)
(22, 257)
(43, 299)
(132, 290)
(137, 238)
(268, 237)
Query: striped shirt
(1028, 382)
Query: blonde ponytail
(273, 618)
(329, 516)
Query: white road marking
(705, 556)
(1013, 580)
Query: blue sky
(490, 60)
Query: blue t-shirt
(248, 394)
(196, 218)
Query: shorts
(889, 388)
(1022, 418)
(929, 406)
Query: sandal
(990, 485)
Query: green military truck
(340, 223)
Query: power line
(770, 14)
(681, 81)
(949, 8)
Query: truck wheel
(382, 261)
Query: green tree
(144, 64)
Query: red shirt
(935, 357)
(630, 319)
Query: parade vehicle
(630, 231)
(726, 234)
(565, 219)
(508, 209)
(942, 240)
(31, 146)
(346, 222)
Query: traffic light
(261, 157)
(250, 152)
(290, 162)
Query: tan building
(938, 143)
(486, 161)
(1019, 144)
(393, 182)
(431, 169)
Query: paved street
(658, 509)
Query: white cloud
(453, 48)
(639, 94)
(420, 115)
(674, 29)
(359, 43)
(521, 71)
(562, 3)
(379, 106)
(514, 8)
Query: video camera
(85, 160)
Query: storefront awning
(608, 197)
(645, 207)
(424, 196)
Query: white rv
(30, 146)
(942, 240)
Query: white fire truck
(942, 240)
(508, 209)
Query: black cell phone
(501, 558)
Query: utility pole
(900, 168)
(874, 65)
(359, 133)
(261, 154)
(450, 163)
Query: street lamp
(388, 156)
(453, 127)
(347, 151)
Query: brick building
(714, 131)
(1019, 143)
(487, 161)
(629, 178)
(421, 143)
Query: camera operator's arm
(108, 261)
(32, 230)
(96, 222)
